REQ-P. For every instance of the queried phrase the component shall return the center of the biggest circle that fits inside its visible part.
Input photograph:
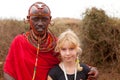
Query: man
(31, 55)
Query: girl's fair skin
(69, 55)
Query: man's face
(39, 24)
(39, 16)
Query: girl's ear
(79, 51)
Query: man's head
(39, 16)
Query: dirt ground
(108, 74)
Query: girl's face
(68, 52)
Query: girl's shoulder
(85, 67)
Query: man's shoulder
(19, 37)
(86, 69)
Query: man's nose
(40, 22)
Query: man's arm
(93, 74)
(8, 77)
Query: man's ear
(28, 18)
(50, 17)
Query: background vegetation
(99, 35)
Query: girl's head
(68, 40)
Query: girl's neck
(69, 64)
(70, 67)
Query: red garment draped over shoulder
(21, 57)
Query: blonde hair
(74, 42)
(70, 37)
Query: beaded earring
(52, 23)
(79, 68)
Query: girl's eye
(63, 49)
(71, 48)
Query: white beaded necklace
(66, 78)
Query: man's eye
(35, 19)
(44, 19)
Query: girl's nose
(67, 52)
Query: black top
(56, 73)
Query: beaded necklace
(36, 62)
(65, 74)
(34, 39)
(47, 43)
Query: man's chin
(41, 34)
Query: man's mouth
(40, 30)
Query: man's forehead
(39, 16)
